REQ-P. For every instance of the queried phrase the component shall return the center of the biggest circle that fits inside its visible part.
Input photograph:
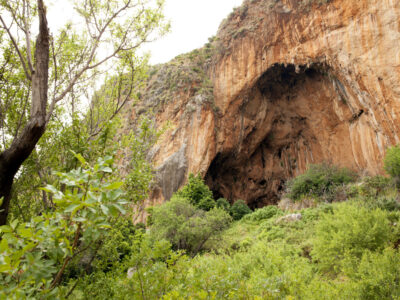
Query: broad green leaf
(120, 208)
(3, 245)
(104, 225)
(105, 209)
(14, 224)
(114, 186)
(79, 219)
(106, 169)
(5, 268)
(72, 208)
(25, 232)
(5, 229)
(29, 247)
(79, 157)
(50, 189)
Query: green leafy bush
(206, 204)
(264, 213)
(223, 203)
(33, 255)
(319, 181)
(349, 232)
(187, 227)
(375, 185)
(377, 276)
(149, 272)
(389, 203)
(392, 163)
(276, 265)
(105, 254)
(116, 245)
(239, 209)
(197, 192)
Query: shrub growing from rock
(319, 181)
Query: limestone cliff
(291, 83)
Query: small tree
(187, 227)
(197, 192)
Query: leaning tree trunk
(12, 158)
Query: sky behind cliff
(192, 23)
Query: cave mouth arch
(294, 116)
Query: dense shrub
(375, 185)
(187, 227)
(377, 276)
(389, 203)
(239, 209)
(349, 232)
(223, 203)
(102, 256)
(197, 192)
(117, 245)
(151, 270)
(319, 181)
(206, 204)
(264, 213)
(276, 265)
(392, 163)
(35, 254)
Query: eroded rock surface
(294, 82)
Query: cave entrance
(279, 134)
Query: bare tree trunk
(12, 158)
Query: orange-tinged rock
(294, 83)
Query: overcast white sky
(192, 23)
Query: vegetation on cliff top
(185, 77)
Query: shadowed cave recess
(293, 116)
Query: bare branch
(54, 63)
(26, 16)
(119, 104)
(27, 73)
(89, 60)
(94, 15)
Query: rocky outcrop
(294, 82)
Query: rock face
(294, 82)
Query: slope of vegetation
(345, 250)
(192, 247)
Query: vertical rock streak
(295, 82)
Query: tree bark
(12, 158)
